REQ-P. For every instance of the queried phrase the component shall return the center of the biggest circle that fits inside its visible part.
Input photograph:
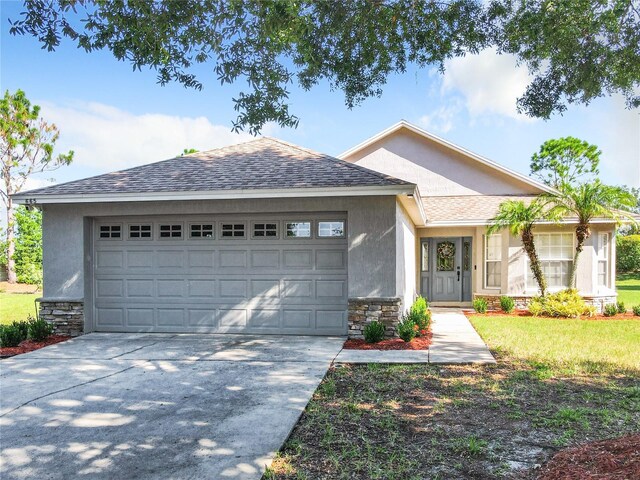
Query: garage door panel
(297, 318)
(265, 318)
(214, 284)
(202, 317)
(202, 289)
(170, 317)
(233, 259)
(233, 288)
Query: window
(425, 256)
(330, 229)
(171, 231)
(603, 259)
(110, 231)
(492, 261)
(445, 256)
(555, 251)
(265, 230)
(298, 229)
(466, 256)
(233, 230)
(201, 230)
(139, 231)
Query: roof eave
(375, 190)
(485, 222)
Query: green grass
(16, 306)
(571, 344)
(628, 287)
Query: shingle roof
(264, 163)
(466, 208)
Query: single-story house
(268, 237)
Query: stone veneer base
(363, 310)
(522, 302)
(66, 316)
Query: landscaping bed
(31, 345)
(525, 313)
(418, 343)
(613, 459)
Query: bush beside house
(628, 253)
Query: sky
(115, 118)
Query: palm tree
(519, 218)
(587, 201)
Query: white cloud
(489, 83)
(441, 120)
(107, 138)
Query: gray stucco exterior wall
(371, 224)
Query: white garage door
(284, 274)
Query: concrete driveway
(156, 406)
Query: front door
(446, 269)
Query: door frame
(427, 276)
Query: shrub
(10, 336)
(23, 327)
(420, 315)
(373, 331)
(406, 328)
(628, 253)
(610, 310)
(507, 304)
(480, 305)
(621, 307)
(636, 310)
(39, 330)
(566, 304)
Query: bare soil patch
(418, 343)
(18, 288)
(30, 346)
(613, 459)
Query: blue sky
(115, 118)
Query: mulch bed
(418, 343)
(525, 313)
(615, 459)
(30, 346)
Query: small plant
(610, 310)
(10, 336)
(420, 314)
(566, 304)
(39, 329)
(406, 328)
(480, 305)
(621, 307)
(23, 327)
(636, 310)
(507, 304)
(373, 331)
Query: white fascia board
(452, 146)
(35, 199)
(484, 223)
(412, 203)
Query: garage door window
(110, 232)
(139, 231)
(201, 230)
(331, 229)
(265, 230)
(298, 229)
(171, 231)
(233, 230)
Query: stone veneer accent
(363, 310)
(66, 316)
(522, 302)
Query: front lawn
(16, 306)
(557, 383)
(628, 286)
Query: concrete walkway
(454, 341)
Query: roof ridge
(342, 162)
